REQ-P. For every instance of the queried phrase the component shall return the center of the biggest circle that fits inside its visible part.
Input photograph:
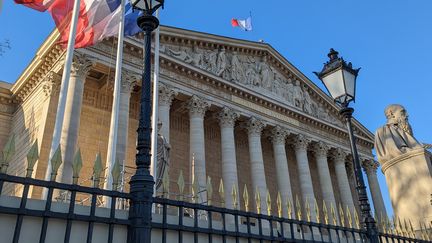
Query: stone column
(227, 119)
(197, 108)
(254, 128)
(166, 96)
(342, 179)
(81, 65)
(321, 150)
(300, 145)
(370, 168)
(282, 172)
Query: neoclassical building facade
(230, 109)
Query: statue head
(159, 125)
(397, 115)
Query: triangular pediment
(255, 66)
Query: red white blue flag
(244, 24)
(98, 19)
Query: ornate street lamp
(141, 183)
(339, 78)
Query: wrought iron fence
(177, 220)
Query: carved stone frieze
(254, 72)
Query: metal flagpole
(112, 142)
(155, 115)
(63, 88)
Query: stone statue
(252, 76)
(197, 57)
(266, 73)
(182, 54)
(237, 72)
(396, 137)
(163, 150)
(221, 64)
(211, 61)
(298, 95)
(308, 102)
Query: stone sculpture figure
(212, 61)
(395, 137)
(252, 76)
(163, 153)
(221, 64)
(237, 72)
(182, 54)
(197, 57)
(298, 95)
(266, 73)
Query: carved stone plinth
(409, 179)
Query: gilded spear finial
(97, 170)
(308, 210)
(76, 166)
(325, 212)
(8, 152)
(166, 184)
(349, 218)
(356, 218)
(268, 201)
(299, 210)
(56, 161)
(258, 201)
(181, 185)
(195, 190)
(221, 191)
(333, 213)
(234, 197)
(279, 204)
(32, 157)
(116, 173)
(317, 211)
(289, 208)
(246, 198)
(341, 215)
(209, 191)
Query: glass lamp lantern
(147, 5)
(339, 78)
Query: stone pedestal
(409, 179)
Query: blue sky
(391, 40)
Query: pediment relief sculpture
(252, 72)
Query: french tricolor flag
(244, 24)
(98, 19)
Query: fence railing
(62, 215)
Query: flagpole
(63, 88)
(112, 142)
(155, 115)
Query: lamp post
(339, 78)
(142, 182)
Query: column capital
(166, 94)
(197, 106)
(301, 142)
(254, 126)
(370, 166)
(128, 81)
(81, 65)
(51, 83)
(339, 155)
(227, 117)
(321, 148)
(278, 135)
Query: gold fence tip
(289, 208)
(333, 213)
(181, 185)
(317, 211)
(258, 201)
(234, 195)
(76, 166)
(209, 188)
(325, 212)
(221, 191)
(308, 210)
(97, 170)
(32, 158)
(246, 198)
(8, 151)
(115, 173)
(269, 203)
(195, 189)
(349, 218)
(298, 208)
(341, 215)
(279, 204)
(56, 161)
(356, 219)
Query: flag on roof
(98, 19)
(244, 24)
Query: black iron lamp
(142, 182)
(339, 78)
